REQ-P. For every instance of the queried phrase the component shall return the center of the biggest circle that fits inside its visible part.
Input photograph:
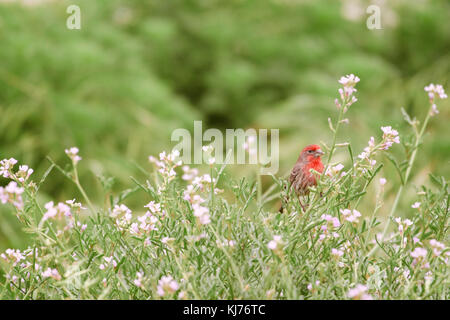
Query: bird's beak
(319, 152)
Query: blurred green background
(138, 69)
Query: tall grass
(193, 242)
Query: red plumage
(301, 177)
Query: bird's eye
(311, 151)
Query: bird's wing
(298, 179)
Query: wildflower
(12, 255)
(24, 173)
(147, 223)
(167, 163)
(435, 90)
(415, 205)
(81, 226)
(250, 145)
(51, 273)
(153, 207)
(349, 80)
(434, 110)
(225, 243)
(332, 171)
(58, 211)
(12, 193)
(72, 153)
(382, 181)
(419, 253)
(337, 253)
(138, 281)
(334, 221)
(351, 215)
(167, 285)
(403, 225)
(120, 210)
(75, 205)
(109, 261)
(437, 247)
(390, 136)
(6, 167)
(202, 213)
(276, 244)
(359, 293)
(346, 93)
(189, 173)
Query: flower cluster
(167, 285)
(328, 229)
(276, 245)
(351, 215)
(420, 255)
(12, 193)
(167, 163)
(109, 261)
(139, 279)
(6, 166)
(122, 215)
(13, 256)
(346, 92)
(191, 194)
(147, 223)
(359, 293)
(72, 153)
(435, 90)
(189, 173)
(333, 171)
(403, 224)
(51, 273)
(390, 136)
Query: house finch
(301, 177)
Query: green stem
(80, 188)
(408, 171)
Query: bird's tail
(284, 199)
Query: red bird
(301, 177)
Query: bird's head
(311, 153)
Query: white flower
(332, 171)
(351, 215)
(12, 193)
(382, 181)
(334, 221)
(435, 90)
(437, 247)
(119, 210)
(415, 205)
(359, 293)
(153, 207)
(276, 244)
(202, 213)
(349, 80)
(434, 110)
(138, 281)
(390, 136)
(72, 153)
(51, 273)
(419, 253)
(337, 253)
(167, 285)
(24, 173)
(189, 173)
(6, 166)
(58, 211)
